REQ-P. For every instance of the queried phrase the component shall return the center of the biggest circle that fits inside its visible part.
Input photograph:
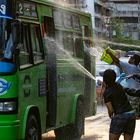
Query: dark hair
(136, 58)
(109, 77)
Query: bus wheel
(77, 129)
(73, 131)
(33, 130)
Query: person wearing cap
(129, 68)
(119, 109)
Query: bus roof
(54, 4)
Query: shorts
(123, 123)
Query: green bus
(46, 70)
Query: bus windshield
(6, 42)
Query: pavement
(97, 127)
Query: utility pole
(139, 18)
(138, 11)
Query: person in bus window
(12, 35)
(6, 41)
(119, 109)
(9, 47)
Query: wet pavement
(97, 127)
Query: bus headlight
(8, 106)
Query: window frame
(29, 46)
(25, 40)
(40, 43)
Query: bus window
(59, 41)
(75, 22)
(69, 43)
(25, 50)
(78, 48)
(87, 35)
(58, 18)
(7, 39)
(36, 43)
(49, 26)
(67, 20)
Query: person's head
(109, 77)
(135, 59)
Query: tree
(116, 25)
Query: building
(129, 12)
(100, 13)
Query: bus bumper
(9, 132)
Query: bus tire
(77, 129)
(33, 129)
(73, 131)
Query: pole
(139, 18)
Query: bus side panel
(30, 93)
(70, 83)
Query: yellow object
(106, 57)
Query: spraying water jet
(75, 63)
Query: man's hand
(129, 76)
(134, 76)
(108, 51)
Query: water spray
(76, 64)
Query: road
(97, 127)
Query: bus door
(89, 65)
(49, 30)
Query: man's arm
(110, 109)
(136, 76)
(132, 92)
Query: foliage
(117, 25)
(127, 41)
